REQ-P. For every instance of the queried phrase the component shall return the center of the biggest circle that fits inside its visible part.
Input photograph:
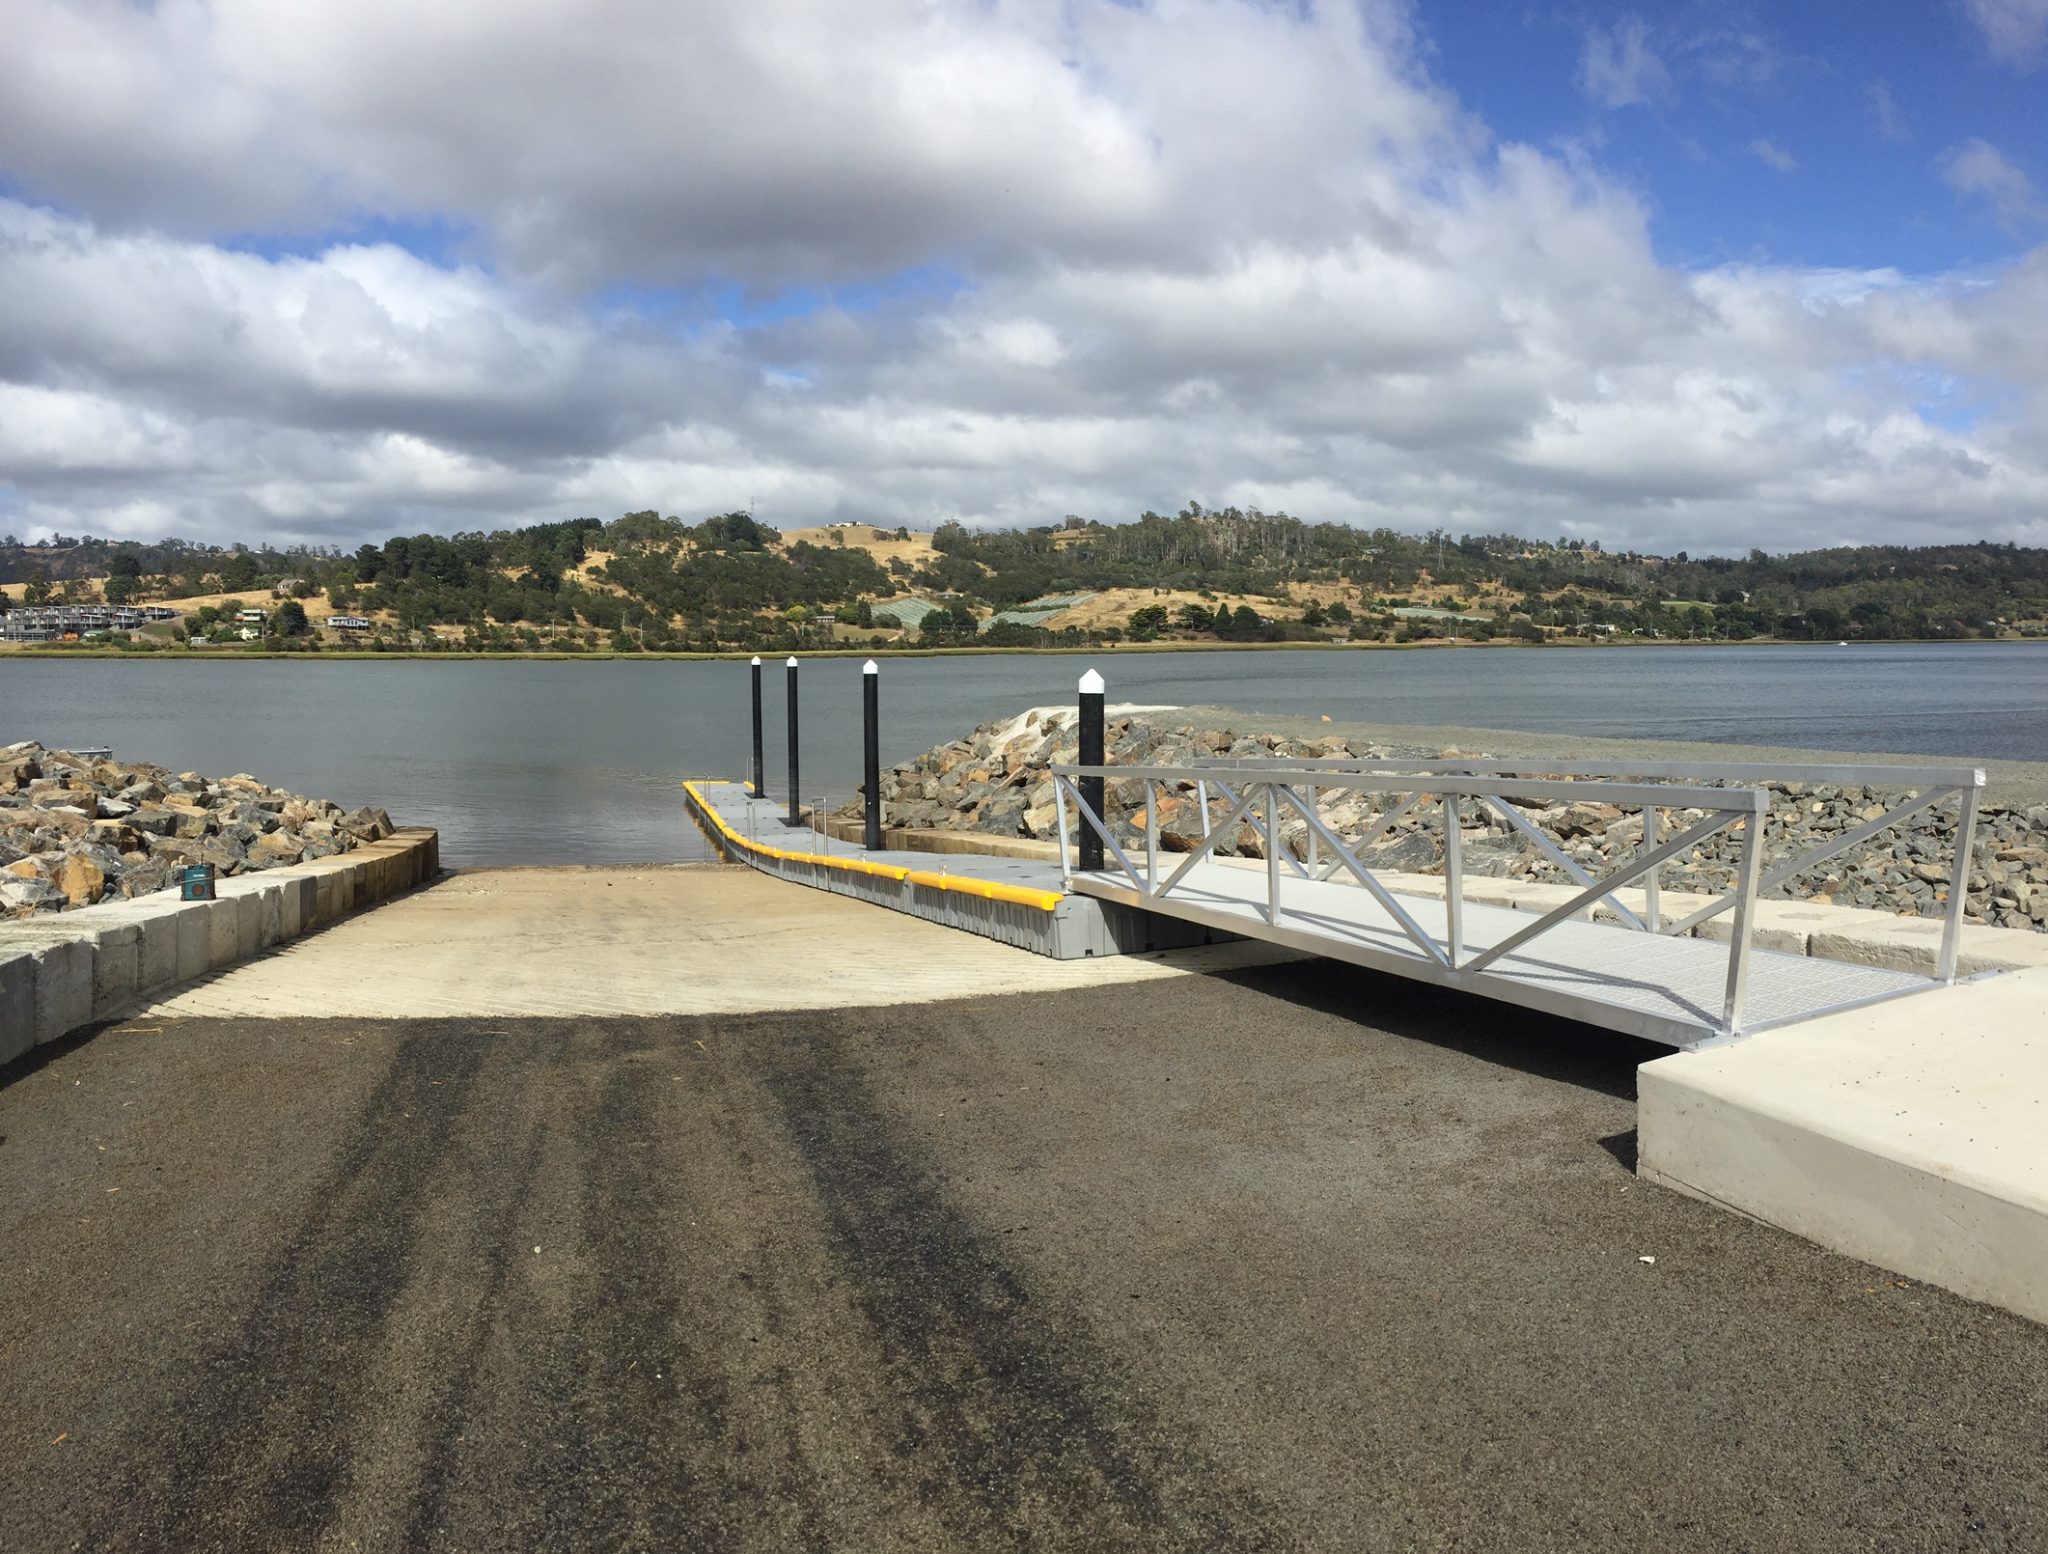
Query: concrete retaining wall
(1909, 1134)
(61, 972)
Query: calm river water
(577, 762)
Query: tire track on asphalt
(255, 1447)
(1015, 1424)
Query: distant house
(55, 622)
(348, 623)
(26, 626)
(1422, 613)
(252, 616)
(285, 587)
(249, 634)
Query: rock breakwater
(74, 831)
(995, 780)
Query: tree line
(644, 580)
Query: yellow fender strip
(987, 890)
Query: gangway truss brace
(1642, 973)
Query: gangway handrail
(1471, 784)
(1863, 774)
(1272, 787)
(1926, 786)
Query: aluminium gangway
(1644, 971)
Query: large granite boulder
(367, 824)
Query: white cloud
(1115, 278)
(1732, 58)
(67, 434)
(1979, 169)
(1774, 157)
(1618, 69)
(2016, 31)
(782, 139)
(1886, 113)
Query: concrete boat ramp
(1908, 1127)
(678, 1208)
(1093, 1254)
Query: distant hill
(95, 558)
(648, 581)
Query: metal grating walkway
(1665, 989)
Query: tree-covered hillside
(1872, 591)
(645, 581)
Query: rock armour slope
(75, 831)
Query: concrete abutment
(63, 972)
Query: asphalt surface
(1211, 1263)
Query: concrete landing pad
(688, 939)
(1913, 1135)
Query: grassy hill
(644, 581)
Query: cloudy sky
(1705, 276)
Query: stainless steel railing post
(1454, 875)
(1272, 855)
(1959, 880)
(1747, 869)
(1151, 837)
(1059, 804)
(1653, 898)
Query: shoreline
(2016, 783)
(345, 655)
